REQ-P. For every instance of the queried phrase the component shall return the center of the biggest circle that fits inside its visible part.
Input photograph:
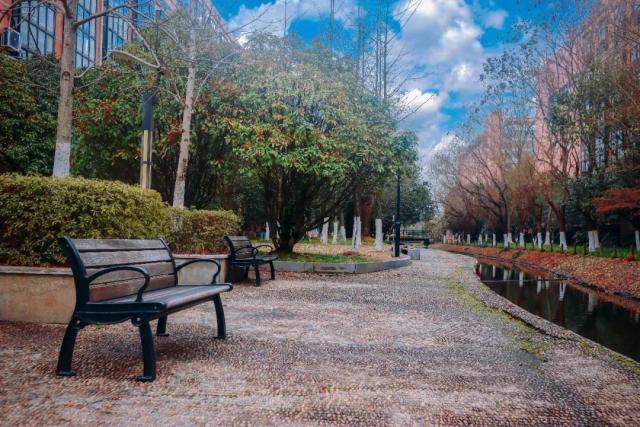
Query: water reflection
(610, 324)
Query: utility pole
(284, 34)
(331, 24)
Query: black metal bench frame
(244, 255)
(139, 311)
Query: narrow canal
(611, 321)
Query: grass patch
(589, 348)
(336, 259)
(527, 339)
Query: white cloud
(495, 19)
(270, 16)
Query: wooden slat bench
(242, 254)
(137, 280)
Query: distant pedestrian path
(406, 346)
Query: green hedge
(35, 211)
(201, 231)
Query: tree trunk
(334, 240)
(343, 229)
(505, 240)
(494, 240)
(592, 247)
(521, 240)
(379, 235)
(324, 236)
(62, 156)
(355, 235)
(366, 210)
(183, 159)
(539, 239)
(267, 233)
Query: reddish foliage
(610, 275)
(619, 199)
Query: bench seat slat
(111, 290)
(177, 295)
(107, 259)
(90, 245)
(154, 269)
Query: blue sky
(442, 47)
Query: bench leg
(273, 271)
(162, 327)
(222, 327)
(257, 269)
(66, 350)
(246, 273)
(148, 350)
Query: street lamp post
(148, 103)
(396, 240)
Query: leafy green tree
(28, 106)
(309, 134)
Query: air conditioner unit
(10, 40)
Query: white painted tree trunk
(493, 243)
(359, 235)
(356, 239)
(480, 239)
(638, 240)
(596, 240)
(505, 240)
(592, 302)
(547, 238)
(522, 240)
(590, 237)
(510, 237)
(334, 239)
(343, 233)
(183, 158)
(563, 240)
(64, 127)
(324, 235)
(539, 239)
(521, 279)
(468, 239)
(267, 232)
(379, 235)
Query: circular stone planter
(341, 268)
(47, 295)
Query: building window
(602, 37)
(635, 54)
(86, 34)
(584, 159)
(617, 147)
(36, 23)
(600, 151)
(115, 28)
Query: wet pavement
(409, 346)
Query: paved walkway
(407, 346)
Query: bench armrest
(140, 270)
(193, 261)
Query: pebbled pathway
(407, 346)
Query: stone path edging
(544, 326)
(337, 268)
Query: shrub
(201, 231)
(35, 211)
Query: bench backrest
(88, 256)
(239, 247)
